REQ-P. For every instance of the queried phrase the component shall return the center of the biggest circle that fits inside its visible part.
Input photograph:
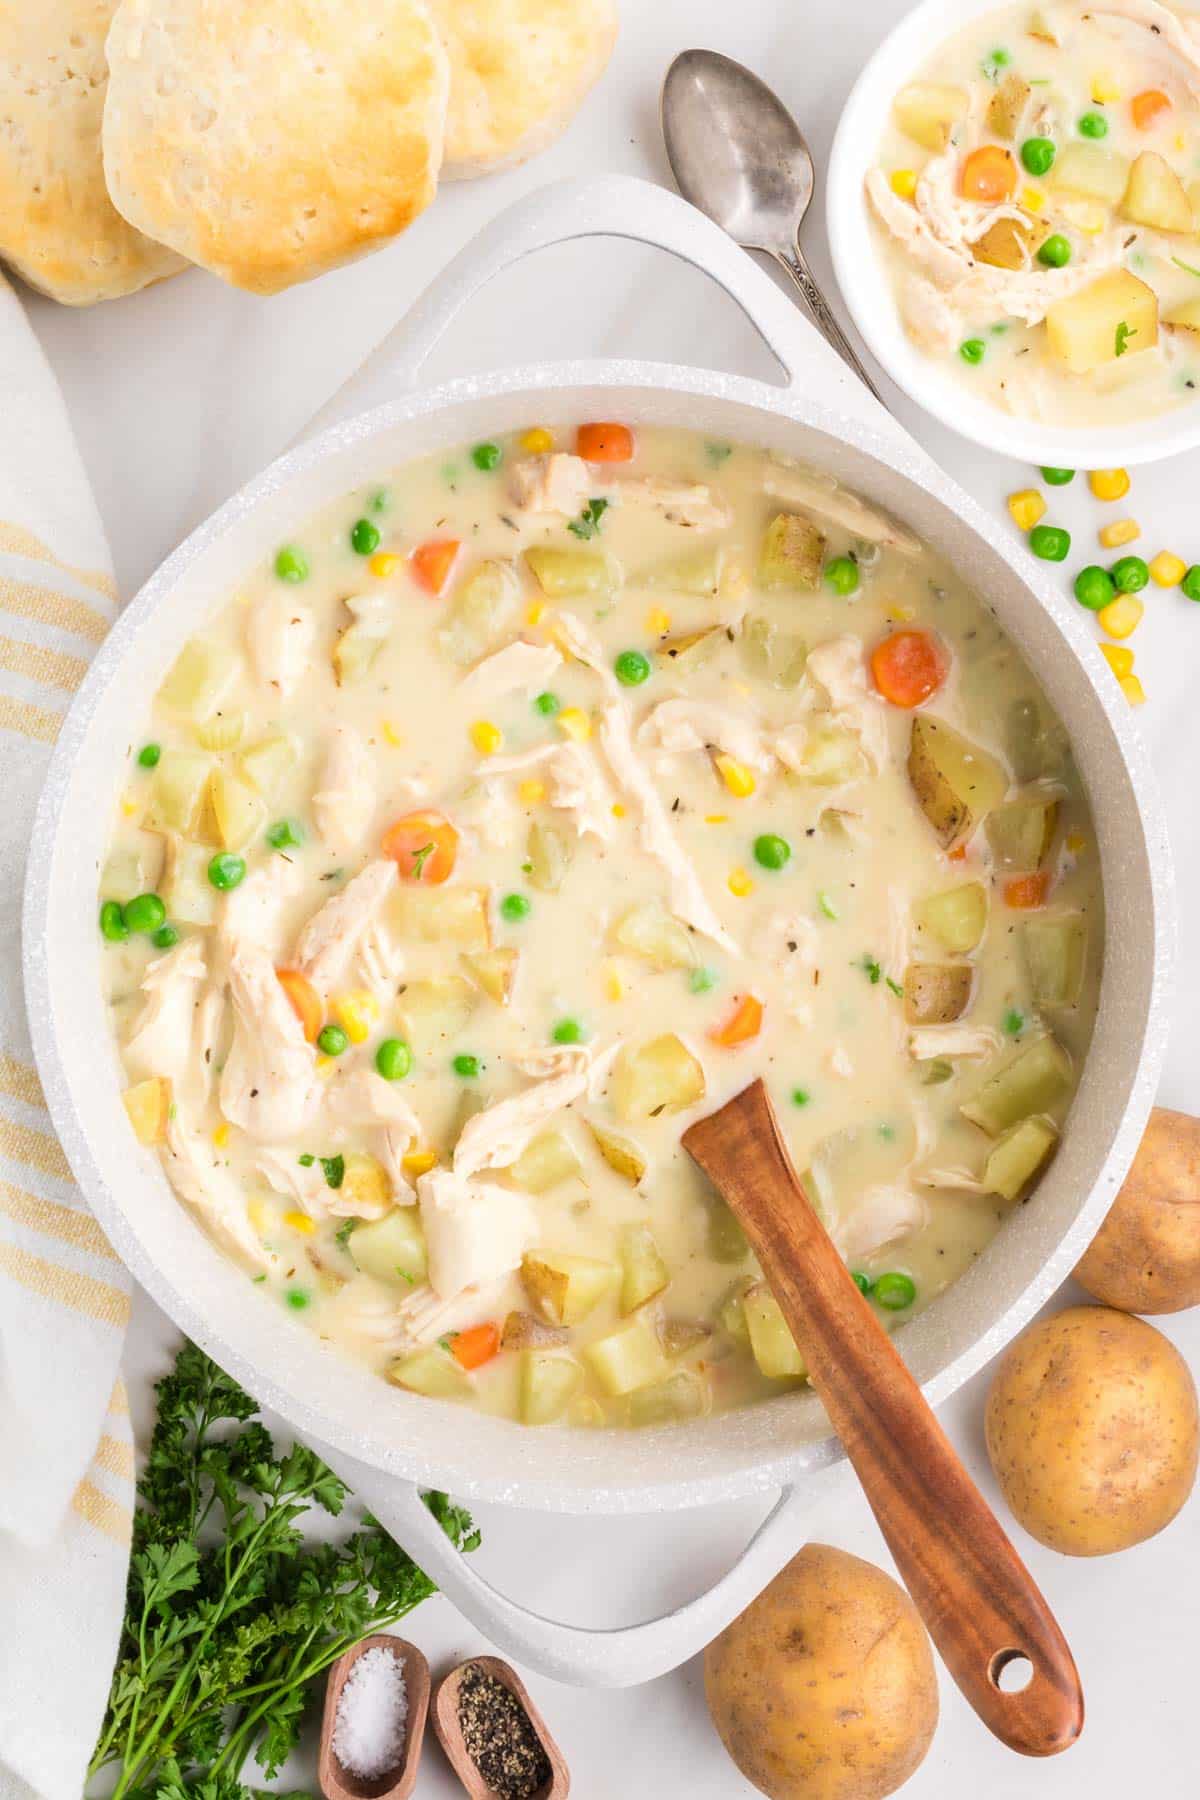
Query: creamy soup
(524, 808)
(1037, 199)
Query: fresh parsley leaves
(420, 858)
(872, 970)
(1123, 334)
(342, 1234)
(335, 1170)
(587, 525)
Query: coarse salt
(372, 1712)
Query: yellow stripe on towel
(108, 1516)
(118, 1400)
(82, 1293)
(22, 542)
(35, 1149)
(25, 600)
(21, 1081)
(114, 1457)
(66, 1223)
(29, 721)
(51, 667)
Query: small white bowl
(867, 289)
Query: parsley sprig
(230, 1613)
(587, 525)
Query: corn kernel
(128, 808)
(534, 611)
(1076, 842)
(391, 735)
(1121, 617)
(614, 987)
(355, 1011)
(1033, 200)
(900, 615)
(486, 737)
(1104, 89)
(658, 621)
(1167, 570)
(1087, 216)
(903, 182)
(716, 818)
(537, 441)
(220, 1136)
(326, 1066)
(740, 882)
(618, 811)
(736, 776)
(1133, 690)
(1180, 141)
(1109, 484)
(531, 793)
(300, 1222)
(575, 722)
(419, 1162)
(384, 563)
(1121, 531)
(1027, 507)
(1119, 659)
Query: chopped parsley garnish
(718, 453)
(587, 525)
(335, 1170)
(895, 987)
(1014, 1022)
(420, 858)
(872, 970)
(826, 906)
(307, 1160)
(1123, 334)
(1186, 267)
(342, 1234)
(405, 1276)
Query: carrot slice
(958, 854)
(908, 666)
(989, 173)
(743, 1023)
(432, 562)
(423, 845)
(475, 1346)
(604, 443)
(304, 1000)
(1146, 107)
(1026, 892)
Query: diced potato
(772, 1344)
(621, 1154)
(545, 1162)
(201, 677)
(1007, 105)
(134, 865)
(1185, 317)
(696, 571)
(685, 1394)
(650, 931)
(725, 1237)
(148, 1105)
(237, 808)
(678, 1336)
(372, 622)
(224, 731)
(267, 764)
(1055, 951)
(365, 1183)
(485, 606)
(1033, 1082)
(548, 1381)
(937, 993)
(928, 111)
(185, 890)
(628, 1358)
(495, 971)
(442, 915)
(564, 571)
(434, 1011)
(659, 1076)
(550, 852)
(1021, 833)
(1083, 330)
(1015, 1158)
(957, 918)
(770, 652)
(643, 1271)
(792, 553)
(1091, 170)
(832, 757)
(1009, 243)
(391, 1249)
(178, 791)
(1034, 740)
(523, 1332)
(955, 782)
(563, 1288)
(731, 1314)
(691, 649)
(1156, 197)
(432, 1372)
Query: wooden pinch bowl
(450, 1737)
(336, 1782)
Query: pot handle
(582, 1656)
(601, 206)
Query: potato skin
(824, 1688)
(1145, 1258)
(1092, 1430)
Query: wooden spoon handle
(979, 1602)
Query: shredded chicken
(790, 943)
(836, 680)
(797, 487)
(958, 1180)
(475, 1231)
(363, 1097)
(575, 784)
(677, 726)
(344, 803)
(280, 636)
(688, 503)
(838, 1061)
(881, 1216)
(1172, 33)
(200, 1178)
(381, 958)
(556, 483)
(253, 912)
(928, 1041)
(304, 1183)
(328, 943)
(495, 1137)
(269, 1085)
(421, 1318)
(210, 1023)
(519, 668)
(160, 1041)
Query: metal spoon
(738, 154)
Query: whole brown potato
(823, 1689)
(1145, 1258)
(1092, 1430)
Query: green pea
(1093, 125)
(291, 564)
(632, 668)
(841, 574)
(148, 755)
(895, 1291)
(1058, 477)
(547, 705)
(112, 923)
(515, 907)
(1130, 574)
(393, 1059)
(466, 1066)
(1038, 153)
(145, 913)
(1094, 587)
(1050, 542)
(972, 350)
(332, 1041)
(771, 852)
(165, 938)
(297, 1299)
(567, 1031)
(800, 1096)
(226, 870)
(1190, 585)
(285, 834)
(702, 981)
(364, 537)
(486, 456)
(862, 1282)
(1055, 252)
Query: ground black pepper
(499, 1737)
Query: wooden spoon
(336, 1782)
(980, 1603)
(450, 1737)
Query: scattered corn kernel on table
(181, 392)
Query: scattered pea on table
(1050, 542)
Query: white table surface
(181, 393)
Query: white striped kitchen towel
(66, 1451)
